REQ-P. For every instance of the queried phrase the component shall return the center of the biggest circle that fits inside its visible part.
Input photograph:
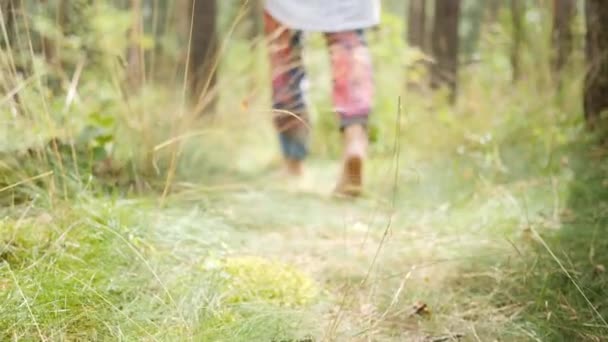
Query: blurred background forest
(138, 200)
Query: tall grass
(496, 226)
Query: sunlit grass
(88, 255)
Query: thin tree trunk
(254, 11)
(444, 70)
(47, 45)
(596, 79)
(203, 54)
(50, 46)
(474, 14)
(181, 18)
(517, 10)
(9, 14)
(493, 10)
(63, 13)
(62, 19)
(134, 54)
(417, 37)
(416, 32)
(562, 36)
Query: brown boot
(355, 151)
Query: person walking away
(343, 23)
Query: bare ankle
(355, 150)
(294, 167)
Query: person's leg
(288, 76)
(353, 90)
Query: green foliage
(98, 135)
(78, 265)
(67, 53)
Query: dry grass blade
(24, 181)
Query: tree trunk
(254, 14)
(596, 79)
(517, 10)
(62, 18)
(417, 37)
(493, 10)
(203, 53)
(562, 36)
(444, 70)
(47, 45)
(473, 13)
(9, 15)
(416, 31)
(134, 54)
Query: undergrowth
(126, 217)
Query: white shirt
(325, 15)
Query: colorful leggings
(352, 82)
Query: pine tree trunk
(416, 32)
(203, 54)
(493, 10)
(517, 11)
(63, 9)
(47, 45)
(254, 13)
(134, 53)
(9, 14)
(562, 36)
(444, 70)
(417, 37)
(596, 80)
(473, 13)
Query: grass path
(387, 272)
(449, 251)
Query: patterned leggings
(352, 82)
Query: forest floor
(482, 221)
(474, 244)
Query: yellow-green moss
(251, 279)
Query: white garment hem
(352, 25)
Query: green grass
(492, 214)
